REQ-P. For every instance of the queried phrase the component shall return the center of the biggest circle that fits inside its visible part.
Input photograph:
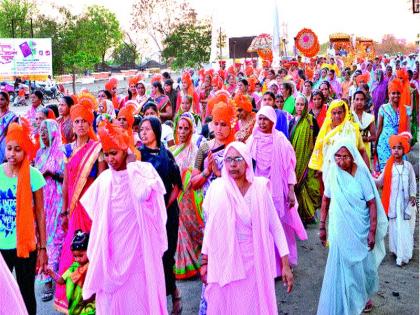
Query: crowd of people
(109, 199)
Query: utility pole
(220, 43)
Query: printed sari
(190, 233)
(50, 162)
(81, 170)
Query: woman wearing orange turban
(128, 237)
(83, 165)
(210, 155)
(126, 120)
(132, 91)
(111, 87)
(188, 89)
(392, 119)
(209, 159)
(246, 118)
(22, 229)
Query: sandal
(176, 303)
(47, 294)
(369, 306)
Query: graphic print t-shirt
(8, 186)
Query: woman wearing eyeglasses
(238, 251)
(392, 119)
(355, 233)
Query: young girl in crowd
(74, 277)
(399, 198)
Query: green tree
(15, 18)
(188, 45)
(126, 54)
(103, 29)
(48, 27)
(76, 42)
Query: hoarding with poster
(28, 58)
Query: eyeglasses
(342, 157)
(236, 159)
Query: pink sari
(276, 161)
(78, 167)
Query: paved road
(308, 280)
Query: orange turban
(112, 83)
(85, 111)
(217, 81)
(186, 77)
(210, 73)
(223, 111)
(221, 97)
(133, 80)
(88, 100)
(403, 138)
(156, 78)
(266, 63)
(363, 78)
(128, 113)
(25, 228)
(309, 73)
(227, 113)
(249, 70)
(222, 74)
(252, 81)
(242, 101)
(113, 137)
(395, 86)
(231, 70)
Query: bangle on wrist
(42, 248)
(322, 227)
(63, 214)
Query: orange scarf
(25, 228)
(386, 192)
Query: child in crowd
(399, 198)
(75, 276)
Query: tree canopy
(188, 45)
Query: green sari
(307, 188)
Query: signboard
(28, 58)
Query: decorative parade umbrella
(262, 45)
(307, 43)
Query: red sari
(80, 175)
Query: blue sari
(351, 274)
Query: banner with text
(28, 58)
